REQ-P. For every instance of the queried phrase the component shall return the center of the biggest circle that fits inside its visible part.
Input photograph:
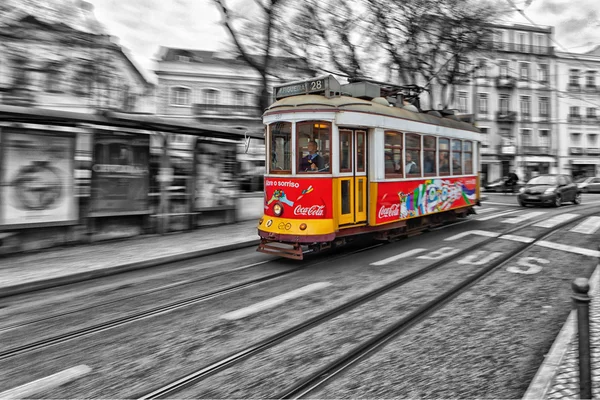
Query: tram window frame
(346, 151)
(320, 133)
(414, 149)
(456, 151)
(467, 153)
(444, 155)
(393, 153)
(361, 153)
(429, 147)
(284, 151)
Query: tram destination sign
(322, 84)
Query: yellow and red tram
(379, 167)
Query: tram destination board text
(295, 89)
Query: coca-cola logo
(391, 211)
(317, 211)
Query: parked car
(551, 189)
(500, 186)
(589, 184)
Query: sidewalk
(21, 273)
(557, 377)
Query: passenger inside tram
(313, 161)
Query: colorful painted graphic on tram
(402, 200)
(300, 198)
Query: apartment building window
(504, 103)
(526, 137)
(482, 103)
(183, 58)
(485, 137)
(575, 139)
(591, 112)
(482, 69)
(524, 71)
(592, 141)
(574, 77)
(590, 79)
(211, 96)
(180, 96)
(544, 138)
(525, 106)
(544, 107)
(239, 98)
(574, 111)
(521, 42)
(462, 102)
(543, 72)
(503, 69)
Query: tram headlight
(278, 209)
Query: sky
(142, 26)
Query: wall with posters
(37, 179)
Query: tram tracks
(314, 381)
(155, 311)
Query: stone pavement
(21, 273)
(557, 377)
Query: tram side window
(393, 154)
(280, 146)
(429, 147)
(345, 151)
(413, 155)
(456, 157)
(444, 154)
(314, 146)
(468, 157)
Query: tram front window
(314, 146)
(280, 145)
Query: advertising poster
(408, 199)
(37, 178)
(216, 184)
(300, 198)
(120, 177)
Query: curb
(103, 272)
(541, 384)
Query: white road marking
(549, 223)
(570, 249)
(516, 238)
(275, 301)
(31, 389)
(495, 203)
(500, 214)
(588, 227)
(486, 210)
(467, 233)
(524, 217)
(398, 257)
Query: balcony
(574, 87)
(525, 117)
(592, 152)
(576, 151)
(537, 150)
(590, 119)
(544, 118)
(506, 116)
(574, 119)
(524, 48)
(225, 109)
(506, 82)
(590, 88)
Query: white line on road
(31, 389)
(570, 249)
(588, 227)
(549, 223)
(275, 301)
(516, 238)
(524, 217)
(398, 257)
(486, 210)
(497, 215)
(495, 203)
(467, 233)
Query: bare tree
(253, 38)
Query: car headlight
(550, 190)
(522, 190)
(278, 209)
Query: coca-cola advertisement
(403, 200)
(308, 198)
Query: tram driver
(312, 161)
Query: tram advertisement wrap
(37, 179)
(120, 176)
(300, 198)
(403, 200)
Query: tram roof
(314, 102)
(122, 120)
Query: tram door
(352, 184)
